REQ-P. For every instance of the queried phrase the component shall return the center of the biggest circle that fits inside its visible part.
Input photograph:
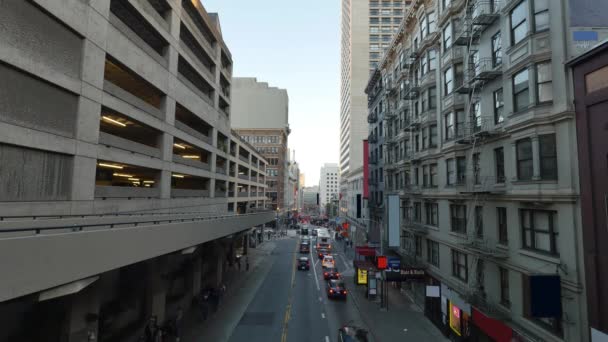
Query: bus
(323, 239)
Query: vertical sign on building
(393, 220)
(365, 169)
(358, 205)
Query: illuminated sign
(361, 276)
(455, 319)
(382, 262)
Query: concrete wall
(256, 105)
(68, 256)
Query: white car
(328, 261)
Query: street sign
(405, 274)
(394, 264)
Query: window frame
(543, 156)
(496, 49)
(447, 40)
(479, 221)
(520, 159)
(499, 164)
(458, 224)
(516, 106)
(505, 298)
(542, 12)
(501, 222)
(545, 82)
(432, 252)
(551, 232)
(448, 82)
(458, 267)
(524, 21)
(499, 106)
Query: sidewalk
(403, 320)
(242, 286)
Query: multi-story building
(115, 150)
(328, 184)
(292, 189)
(472, 125)
(367, 28)
(260, 115)
(310, 196)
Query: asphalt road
(291, 305)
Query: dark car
(331, 273)
(314, 232)
(336, 289)
(322, 252)
(352, 334)
(304, 247)
(303, 263)
(304, 231)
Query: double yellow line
(288, 308)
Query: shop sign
(394, 264)
(405, 274)
(455, 319)
(361, 276)
(382, 262)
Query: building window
(544, 82)
(498, 107)
(423, 26)
(504, 287)
(433, 136)
(476, 117)
(432, 59)
(433, 171)
(519, 24)
(432, 97)
(501, 217)
(496, 50)
(448, 81)
(525, 168)
(425, 176)
(431, 213)
(432, 252)
(476, 169)
(447, 37)
(538, 230)
(479, 221)
(458, 218)
(449, 126)
(499, 159)
(418, 212)
(461, 165)
(450, 165)
(425, 138)
(460, 268)
(548, 157)
(445, 4)
(541, 15)
(418, 245)
(521, 91)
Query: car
(314, 232)
(331, 273)
(349, 333)
(328, 261)
(322, 252)
(336, 289)
(303, 263)
(304, 231)
(304, 247)
(305, 238)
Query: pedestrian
(152, 332)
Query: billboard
(393, 221)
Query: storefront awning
(492, 327)
(365, 251)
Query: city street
(291, 305)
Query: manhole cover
(257, 318)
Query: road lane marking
(314, 271)
(320, 299)
(322, 315)
(290, 297)
(326, 338)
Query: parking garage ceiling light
(113, 121)
(178, 176)
(112, 166)
(122, 175)
(191, 157)
(180, 146)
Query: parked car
(336, 289)
(303, 264)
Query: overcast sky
(292, 45)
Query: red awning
(365, 251)
(492, 327)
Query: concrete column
(166, 147)
(82, 319)
(196, 276)
(169, 109)
(156, 289)
(83, 178)
(212, 187)
(164, 182)
(535, 158)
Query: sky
(293, 45)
